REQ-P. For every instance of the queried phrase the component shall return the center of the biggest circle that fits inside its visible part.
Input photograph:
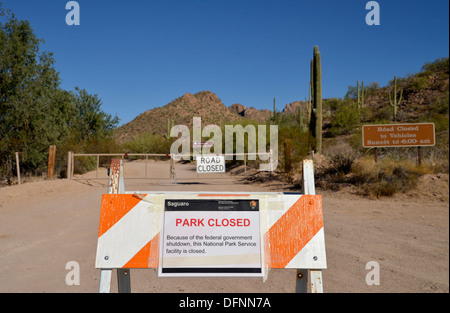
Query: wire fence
(166, 168)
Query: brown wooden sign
(398, 135)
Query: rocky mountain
(293, 107)
(204, 104)
(181, 110)
(251, 113)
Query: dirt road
(44, 225)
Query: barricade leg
(105, 281)
(308, 188)
(316, 281)
(302, 281)
(115, 185)
(123, 279)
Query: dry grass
(387, 177)
(343, 166)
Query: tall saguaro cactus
(395, 103)
(275, 113)
(315, 124)
(309, 102)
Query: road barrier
(210, 233)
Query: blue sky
(141, 54)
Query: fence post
(72, 165)
(98, 165)
(18, 167)
(271, 162)
(51, 162)
(419, 155)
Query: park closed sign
(211, 237)
(210, 164)
(398, 135)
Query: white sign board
(210, 164)
(211, 237)
(207, 144)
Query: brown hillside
(293, 107)
(423, 93)
(415, 101)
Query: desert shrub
(420, 82)
(300, 142)
(342, 165)
(148, 143)
(336, 163)
(441, 64)
(331, 104)
(289, 130)
(84, 164)
(345, 119)
(440, 105)
(385, 114)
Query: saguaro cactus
(315, 124)
(168, 129)
(309, 103)
(303, 126)
(170, 124)
(275, 114)
(394, 102)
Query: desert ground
(46, 224)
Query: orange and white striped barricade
(285, 231)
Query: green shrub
(440, 105)
(385, 114)
(148, 143)
(441, 64)
(345, 120)
(419, 82)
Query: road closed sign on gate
(211, 237)
(210, 164)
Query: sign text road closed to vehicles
(210, 164)
(398, 135)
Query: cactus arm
(362, 94)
